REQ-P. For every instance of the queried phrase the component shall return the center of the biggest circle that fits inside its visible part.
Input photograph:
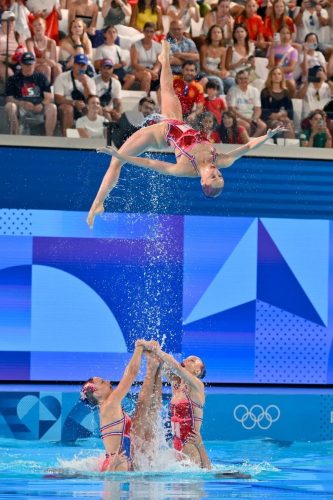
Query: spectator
(50, 11)
(22, 18)
(45, 50)
(310, 18)
(3, 7)
(189, 92)
(181, 48)
(65, 4)
(14, 44)
(144, 60)
(87, 10)
(230, 131)
(108, 89)
(29, 96)
(213, 102)
(284, 55)
(115, 12)
(253, 23)
(315, 92)
(277, 18)
(184, 11)
(91, 125)
(244, 101)
(276, 104)
(71, 91)
(212, 59)
(220, 15)
(109, 50)
(240, 56)
(131, 121)
(77, 42)
(317, 134)
(207, 124)
(146, 11)
(310, 56)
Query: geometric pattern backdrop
(62, 417)
(250, 296)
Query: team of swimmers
(125, 438)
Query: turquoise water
(278, 470)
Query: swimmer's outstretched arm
(163, 167)
(129, 375)
(227, 159)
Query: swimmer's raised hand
(148, 345)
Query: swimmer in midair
(195, 154)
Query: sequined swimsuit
(183, 420)
(182, 138)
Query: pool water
(278, 470)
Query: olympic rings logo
(257, 415)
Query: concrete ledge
(269, 151)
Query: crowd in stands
(91, 67)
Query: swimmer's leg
(155, 406)
(136, 144)
(142, 420)
(170, 104)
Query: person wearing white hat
(9, 44)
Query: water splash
(153, 118)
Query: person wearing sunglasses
(315, 91)
(310, 19)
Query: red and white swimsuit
(183, 420)
(182, 138)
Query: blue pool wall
(67, 179)
(279, 414)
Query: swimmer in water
(195, 154)
(124, 436)
(187, 403)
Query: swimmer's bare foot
(107, 150)
(111, 151)
(165, 54)
(96, 209)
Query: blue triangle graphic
(45, 413)
(235, 283)
(277, 284)
(214, 237)
(304, 244)
(44, 426)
